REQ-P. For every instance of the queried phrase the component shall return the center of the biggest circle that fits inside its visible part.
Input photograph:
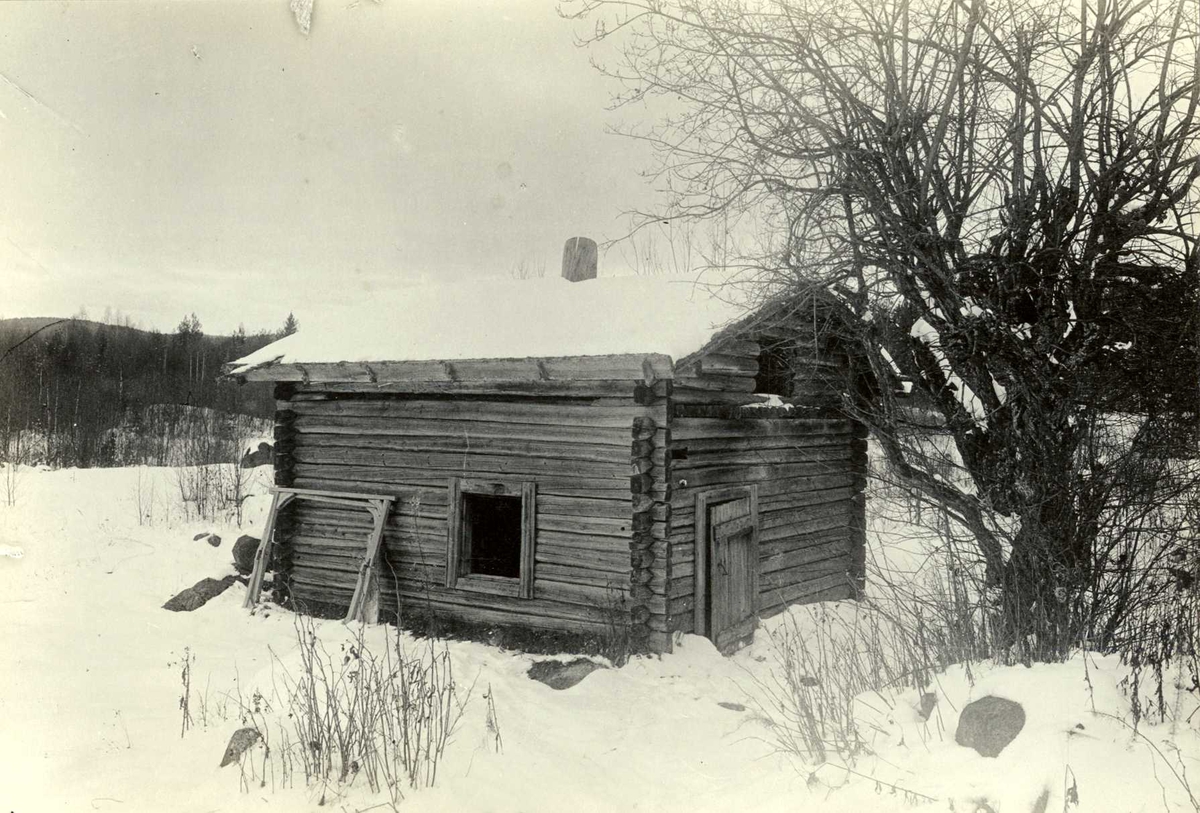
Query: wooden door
(729, 522)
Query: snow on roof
(506, 318)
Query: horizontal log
(614, 594)
(620, 387)
(582, 575)
(450, 465)
(736, 347)
(836, 593)
(405, 515)
(688, 428)
(789, 517)
(607, 561)
(584, 542)
(539, 612)
(683, 497)
(774, 547)
(739, 475)
(459, 444)
(744, 443)
(801, 527)
(796, 592)
(753, 457)
(587, 526)
(687, 395)
(683, 548)
(596, 413)
(728, 364)
(685, 515)
(553, 602)
(807, 559)
(714, 383)
(499, 431)
(397, 479)
(589, 507)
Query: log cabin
(571, 453)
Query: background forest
(75, 392)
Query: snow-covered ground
(91, 679)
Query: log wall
(588, 456)
(809, 476)
(809, 470)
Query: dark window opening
(774, 370)
(679, 453)
(492, 535)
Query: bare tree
(1002, 198)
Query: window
(491, 537)
(774, 369)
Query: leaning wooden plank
(262, 556)
(364, 605)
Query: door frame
(703, 550)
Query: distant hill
(72, 380)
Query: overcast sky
(167, 157)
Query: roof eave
(628, 366)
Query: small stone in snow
(214, 540)
(731, 706)
(558, 675)
(199, 536)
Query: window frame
(457, 578)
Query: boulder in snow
(243, 553)
(562, 674)
(989, 724)
(262, 456)
(198, 594)
(241, 740)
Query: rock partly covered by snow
(562, 674)
(264, 455)
(241, 740)
(243, 553)
(989, 724)
(198, 594)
